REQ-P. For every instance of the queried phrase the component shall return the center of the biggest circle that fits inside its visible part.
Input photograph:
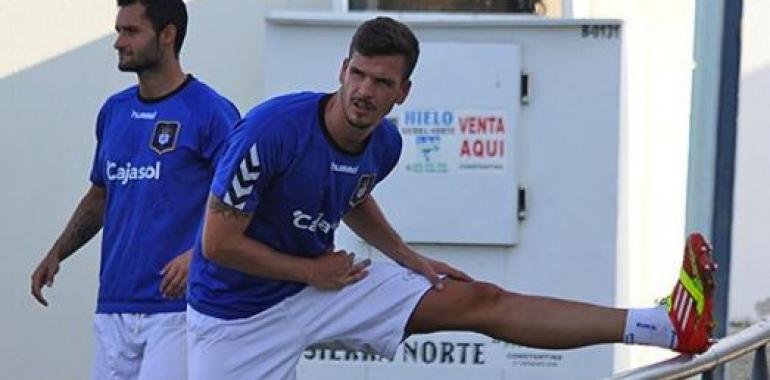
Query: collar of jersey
(164, 97)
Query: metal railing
(753, 338)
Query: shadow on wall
(46, 144)
(48, 134)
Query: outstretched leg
(528, 320)
(684, 323)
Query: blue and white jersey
(156, 159)
(283, 167)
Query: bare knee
(476, 301)
(460, 306)
(491, 309)
(483, 296)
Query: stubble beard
(347, 103)
(144, 60)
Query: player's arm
(224, 115)
(368, 222)
(84, 224)
(224, 243)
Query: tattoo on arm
(84, 225)
(80, 231)
(225, 210)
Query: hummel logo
(342, 168)
(144, 115)
(243, 180)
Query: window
(475, 6)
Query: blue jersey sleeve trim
(253, 155)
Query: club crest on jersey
(364, 186)
(164, 136)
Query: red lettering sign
(474, 125)
(482, 148)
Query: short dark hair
(162, 13)
(386, 36)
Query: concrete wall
(58, 66)
(34, 31)
(750, 283)
(659, 43)
(658, 62)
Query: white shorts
(369, 316)
(140, 346)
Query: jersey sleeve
(97, 169)
(223, 119)
(255, 153)
(393, 153)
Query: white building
(57, 67)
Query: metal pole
(701, 176)
(759, 371)
(725, 155)
(703, 116)
(712, 138)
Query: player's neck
(161, 81)
(347, 136)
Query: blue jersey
(155, 159)
(282, 166)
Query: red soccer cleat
(690, 303)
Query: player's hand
(435, 271)
(336, 270)
(43, 275)
(174, 274)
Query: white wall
(750, 283)
(658, 44)
(34, 31)
(58, 66)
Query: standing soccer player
(266, 281)
(157, 147)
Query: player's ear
(168, 35)
(406, 85)
(343, 69)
